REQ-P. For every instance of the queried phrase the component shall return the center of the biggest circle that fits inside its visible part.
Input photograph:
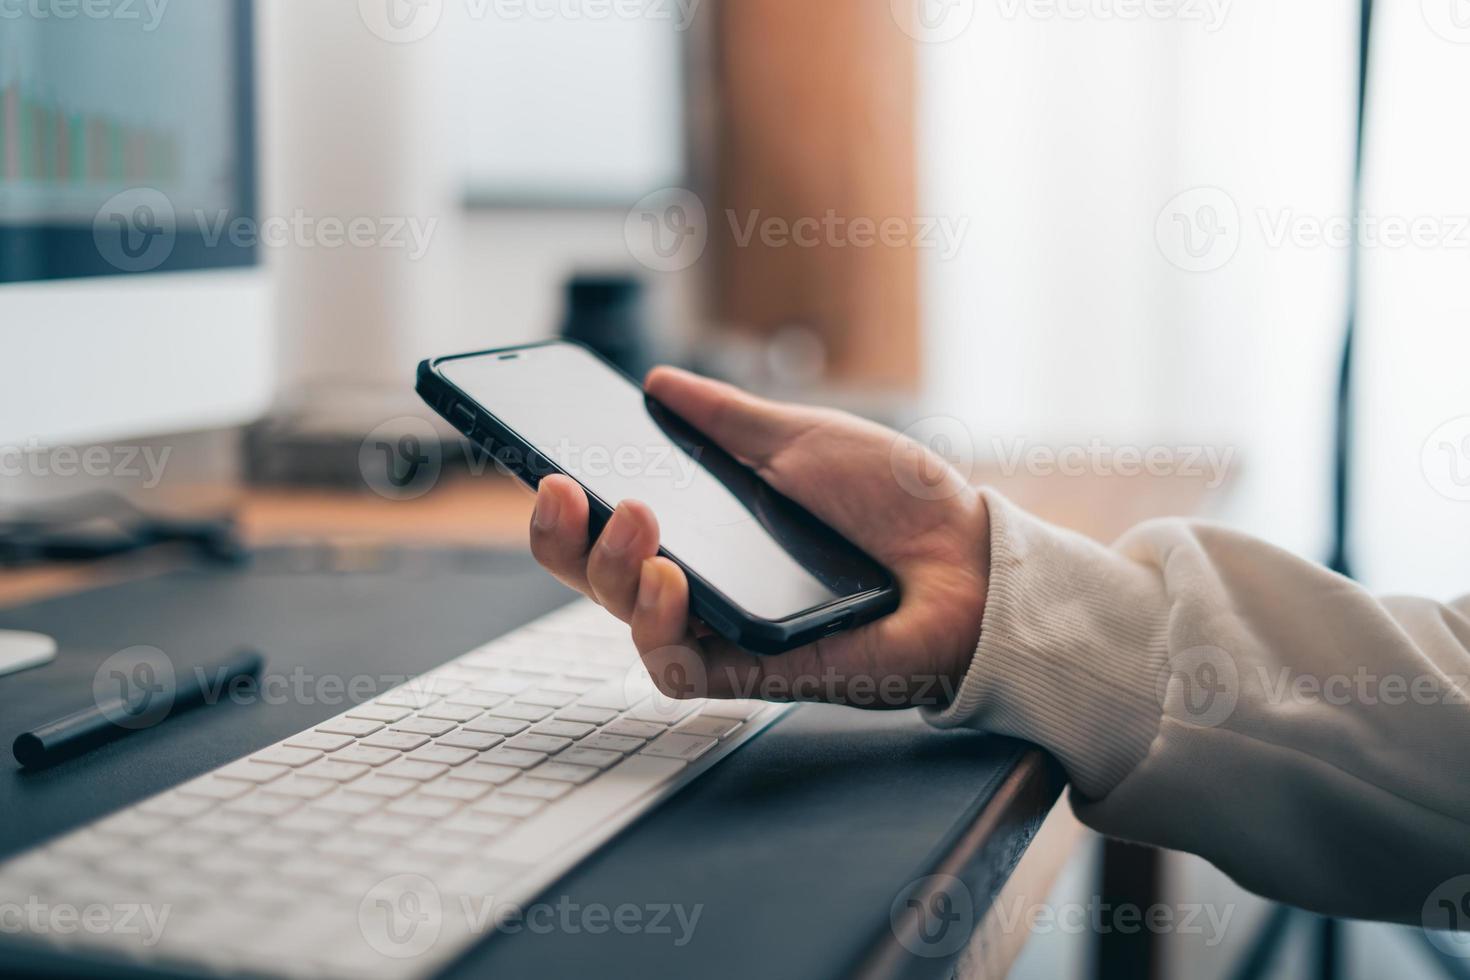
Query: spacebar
(584, 810)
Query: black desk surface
(795, 847)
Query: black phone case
(722, 615)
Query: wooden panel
(816, 104)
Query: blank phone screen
(716, 517)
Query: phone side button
(464, 419)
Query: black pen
(112, 718)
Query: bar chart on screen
(91, 107)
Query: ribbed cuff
(1072, 643)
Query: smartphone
(763, 571)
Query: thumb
(746, 426)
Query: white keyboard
(373, 843)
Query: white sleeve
(1208, 692)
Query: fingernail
(650, 582)
(619, 532)
(548, 509)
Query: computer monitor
(132, 301)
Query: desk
(820, 845)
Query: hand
(849, 472)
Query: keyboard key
(477, 741)
(612, 743)
(612, 697)
(407, 698)
(551, 699)
(401, 741)
(539, 743)
(484, 772)
(312, 821)
(710, 726)
(420, 725)
(454, 788)
(676, 746)
(351, 844)
(428, 807)
(634, 729)
(365, 755)
(564, 729)
(588, 757)
(518, 758)
(503, 684)
(479, 823)
(286, 755)
(219, 823)
(252, 772)
(509, 806)
(265, 804)
(272, 841)
(741, 709)
(330, 768)
(412, 769)
(478, 699)
(587, 715)
(379, 712)
(564, 772)
(303, 787)
(375, 784)
(215, 788)
(538, 840)
(452, 712)
(496, 726)
(348, 803)
(521, 711)
(356, 727)
(390, 824)
(321, 741)
(174, 805)
(132, 823)
(663, 710)
(444, 754)
(541, 789)
(444, 842)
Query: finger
(631, 535)
(746, 426)
(559, 531)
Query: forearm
(1208, 692)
